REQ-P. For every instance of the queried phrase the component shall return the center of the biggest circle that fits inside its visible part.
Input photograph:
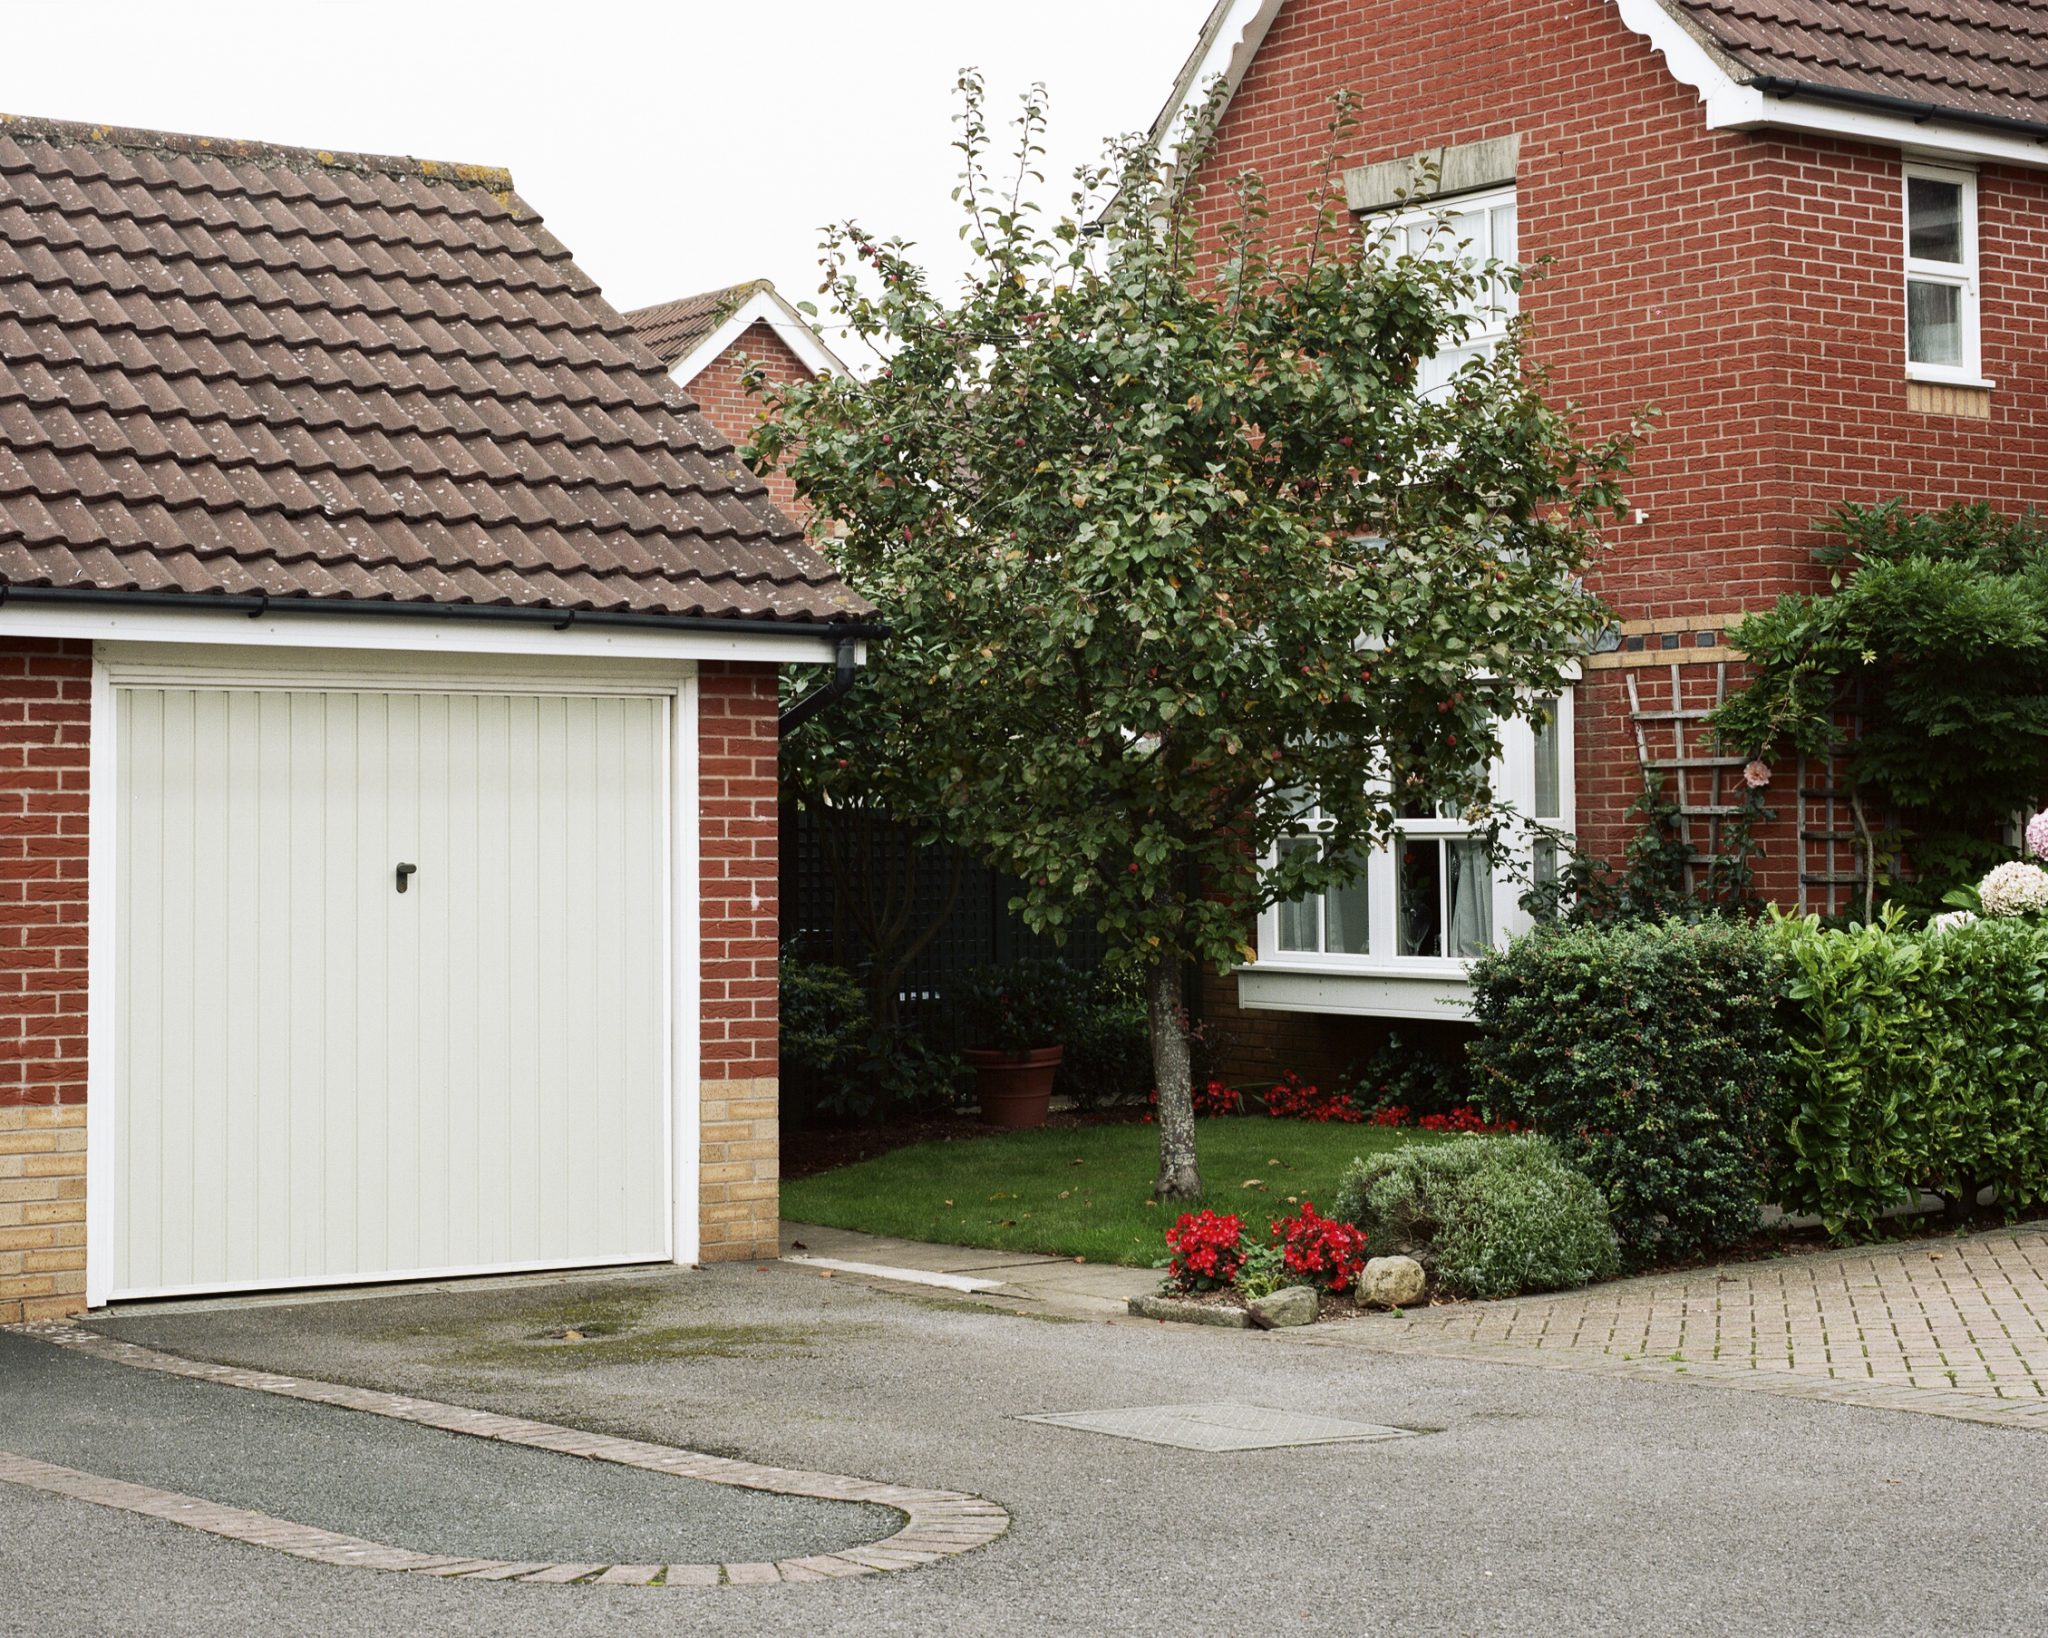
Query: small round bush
(1485, 1216)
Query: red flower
(1322, 1250)
(1207, 1250)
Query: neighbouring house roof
(672, 330)
(689, 333)
(235, 369)
(1970, 59)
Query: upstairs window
(1941, 276)
(1476, 230)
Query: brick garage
(336, 946)
(1725, 255)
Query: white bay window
(1396, 939)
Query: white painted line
(913, 1276)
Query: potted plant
(1015, 1019)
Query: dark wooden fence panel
(980, 929)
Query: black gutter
(1921, 112)
(812, 703)
(501, 613)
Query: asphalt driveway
(1543, 1501)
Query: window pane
(1543, 862)
(1471, 895)
(1346, 908)
(1419, 899)
(1934, 220)
(1299, 919)
(1547, 782)
(1934, 322)
(1504, 232)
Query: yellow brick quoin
(42, 1212)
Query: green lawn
(1083, 1192)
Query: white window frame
(1490, 326)
(1513, 779)
(1962, 276)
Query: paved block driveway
(1955, 1327)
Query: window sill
(1947, 378)
(1433, 989)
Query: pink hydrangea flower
(2037, 835)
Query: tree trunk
(1171, 1072)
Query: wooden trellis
(1669, 742)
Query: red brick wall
(736, 750)
(45, 717)
(734, 411)
(1746, 285)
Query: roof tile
(226, 369)
(1983, 59)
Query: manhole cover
(1220, 1427)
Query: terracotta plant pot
(1015, 1087)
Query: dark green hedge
(1651, 1053)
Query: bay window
(1397, 937)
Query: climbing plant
(1932, 637)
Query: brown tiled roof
(672, 330)
(233, 369)
(1972, 59)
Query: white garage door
(321, 1078)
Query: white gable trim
(1230, 40)
(764, 306)
(1733, 106)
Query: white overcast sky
(674, 148)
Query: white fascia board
(1231, 39)
(762, 307)
(1733, 106)
(402, 634)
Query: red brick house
(387, 739)
(1812, 234)
(708, 342)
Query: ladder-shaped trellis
(1669, 742)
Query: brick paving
(938, 1523)
(1952, 1327)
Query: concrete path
(1059, 1285)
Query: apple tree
(1179, 545)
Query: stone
(1391, 1282)
(1290, 1305)
(1153, 1307)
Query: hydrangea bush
(2014, 888)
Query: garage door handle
(404, 871)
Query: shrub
(1427, 1077)
(1109, 1048)
(1918, 1060)
(1020, 1007)
(1650, 1052)
(1207, 1251)
(823, 1021)
(1486, 1216)
(1324, 1251)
